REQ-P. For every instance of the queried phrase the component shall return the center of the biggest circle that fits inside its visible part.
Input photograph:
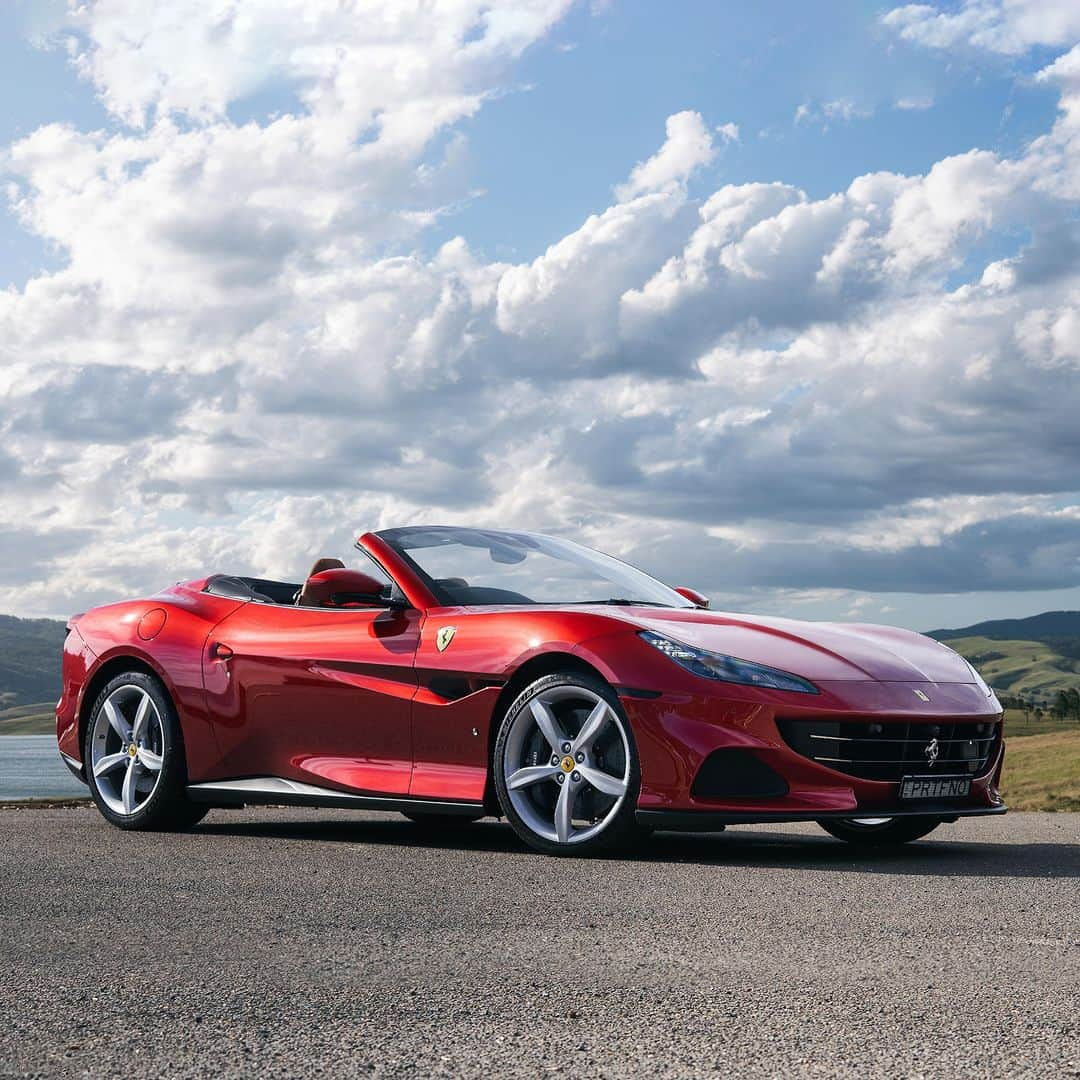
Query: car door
(319, 695)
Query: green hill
(36, 719)
(1031, 668)
(30, 651)
(1035, 657)
(1049, 626)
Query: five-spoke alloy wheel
(566, 767)
(134, 756)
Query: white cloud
(1002, 26)
(915, 103)
(402, 67)
(247, 357)
(688, 146)
(843, 110)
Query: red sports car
(453, 673)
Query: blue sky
(583, 106)
(546, 156)
(551, 288)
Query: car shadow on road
(933, 856)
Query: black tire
(889, 833)
(621, 830)
(440, 821)
(167, 808)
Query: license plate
(935, 787)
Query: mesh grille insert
(889, 750)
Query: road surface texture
(282, 942)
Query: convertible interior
(260, 590)
(265, 591)
(452, 591)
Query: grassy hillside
(1043, 772)
(30, 651)
(35, 719)
(1020, 667)
(1019, 725)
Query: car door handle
(220, 651)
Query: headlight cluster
(710, 665)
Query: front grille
(874, 750)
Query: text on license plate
(935, 787)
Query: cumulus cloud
(249, 353)
(1010, 27)
(688, 146)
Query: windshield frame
(592, 558)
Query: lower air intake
(736, 774)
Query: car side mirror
(343, 588)
(693, 596)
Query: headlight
(710, 665)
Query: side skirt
(277, 791)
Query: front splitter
(717, 820)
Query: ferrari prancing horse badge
(444, 637)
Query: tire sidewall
(170, 788)
(622, 827)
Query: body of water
(31, 768)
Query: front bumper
(677, 731)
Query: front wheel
(879, 832)
(566, 767)
(134, 757)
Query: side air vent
(736, 774)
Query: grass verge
(1042, 772)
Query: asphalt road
(290, 942)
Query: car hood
(816, 650)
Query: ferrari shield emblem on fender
(444, 637)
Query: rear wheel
(881, 831)
(566, 767)
(134, 756)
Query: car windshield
(485, 566)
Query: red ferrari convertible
(454, 673)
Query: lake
(30, 768)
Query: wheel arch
(109, 669)
(536, 667)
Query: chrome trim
(279, 790)
(885, 738)
(270, 785)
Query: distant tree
(1060, 709)
(1073, 696)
